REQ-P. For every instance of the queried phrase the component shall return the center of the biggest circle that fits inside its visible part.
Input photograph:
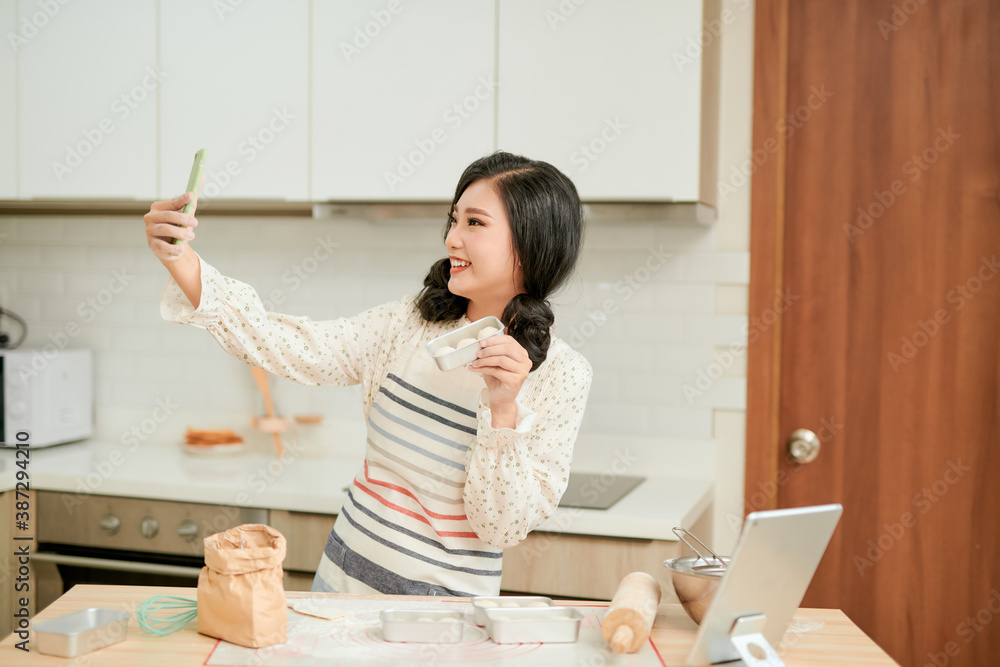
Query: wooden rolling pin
(631, 613)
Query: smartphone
(194, 180)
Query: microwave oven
(46, 393)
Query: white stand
(750, 643)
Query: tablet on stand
(774, 561)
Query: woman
(460, 464)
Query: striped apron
(403, 528)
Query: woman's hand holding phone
(171, 221)
(504, 365)
(167, 227)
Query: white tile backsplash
(41, 231)
(718, 267)
(40, 282)
(645, 340)
(714, 329)
(731, 300)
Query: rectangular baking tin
(81, 632)
(412, 625)
(481, 603)
(467, 354)
(527, 625)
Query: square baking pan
(528, 625)
(429, 627)
(462, 356)
(481, 603)
(81, 632)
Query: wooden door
(876, 223)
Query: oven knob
(188, 530)
(110, 524)
(149, 527)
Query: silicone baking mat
(356, 640)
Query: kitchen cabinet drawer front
(403, 97)
(305, 535)
(581, 566)
(298, 581)
(606, 92)
(87, 98)
(238, 85)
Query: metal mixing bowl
(695, 580)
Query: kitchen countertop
(825, 636)
(258, 478)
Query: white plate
(214, 450)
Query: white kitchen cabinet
(8, 101)
(611, 93)
(237, 83)
(88, 85)
(403, 97)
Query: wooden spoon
(260, 376)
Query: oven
(95, 539)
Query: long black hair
(546, 225)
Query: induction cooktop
(597, 491)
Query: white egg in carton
(459, 347)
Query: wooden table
(838, 642)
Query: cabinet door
(403, 96)
(238, 85)
(88, 85)
(609, 92)
(8, 103)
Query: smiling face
(483, 263)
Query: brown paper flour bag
(241, 595)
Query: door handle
(803, 446)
